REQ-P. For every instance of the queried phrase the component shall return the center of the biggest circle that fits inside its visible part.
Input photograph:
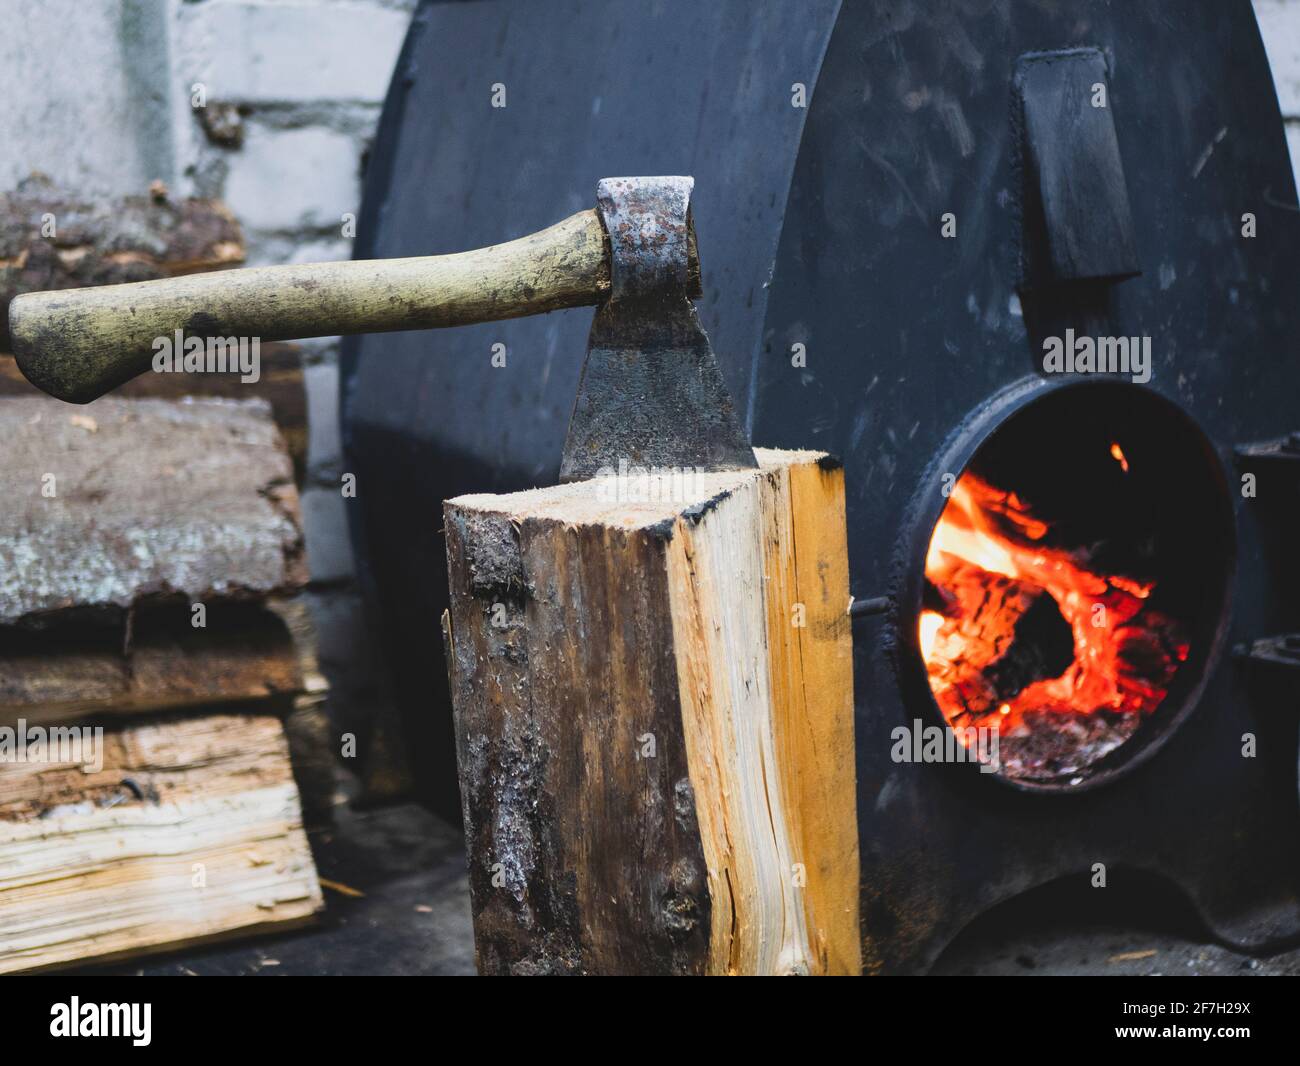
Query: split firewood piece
(653, 691)
(167, 834)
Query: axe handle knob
(77, 344)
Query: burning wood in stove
(1038, 639)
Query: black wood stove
(1025, 266)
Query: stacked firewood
(162, 726)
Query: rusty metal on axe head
(651, 394)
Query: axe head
(651, 394)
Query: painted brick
(293, 179)
(324, 447)
(285, 52)
(329, 549)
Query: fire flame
(1117, 453)
(989, 562)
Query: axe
(651, 393)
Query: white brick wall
(73, 75)
(309, 79)
(290, 52)
(293, 180)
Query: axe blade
(651, 393)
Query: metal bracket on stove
(1282, 651)
(1285, 449)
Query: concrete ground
(413, 918)
(1073, 929)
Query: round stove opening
(1075, 583)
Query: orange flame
(1117, 453)
(989, 562)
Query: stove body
(919, 345)
(919, 229)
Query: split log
(190, 831)
(654, 721)
(259, 659)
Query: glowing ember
(1064, 660)
(1117, 453)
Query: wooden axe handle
(77, 344)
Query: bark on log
(281, 385)
(121, 517)
(256, 659)
(52, 239)
(77, 673)
(654, 717)
(190, 831)
(122, 502)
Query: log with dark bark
(122, 517)
(53, 239)
(281, 385)
(654, 717)
(120, 502)
(243, 655)
(138, 238)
